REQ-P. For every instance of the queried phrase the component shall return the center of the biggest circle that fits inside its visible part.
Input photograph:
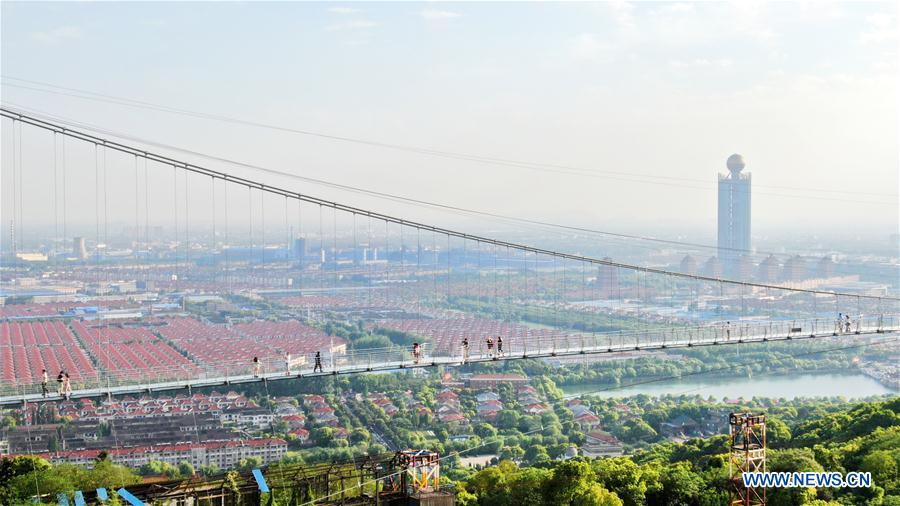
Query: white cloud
(754, 20)
(343, 10)
(57, 35)
(882, 28)
(701, 63)
(438, 14)
(675, 8)
(356, 24)
(623, 14)
(588, 46)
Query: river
(850, 385)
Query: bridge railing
(512, 347)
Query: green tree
(536, 453)
(884, 467)
(45, 481)
(359, 435)
(11, 468)
(777, 432)
(209, 470)
(622, 476)
(185, 468)
(107, 475)
(485, 430)
(527, 486)
(249, 463)
(570, 480)
(679, 486)
(595, 495)
(514, 453)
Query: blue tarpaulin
(261, 481)
(132, 500)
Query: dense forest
(864, 437)
(694, 473)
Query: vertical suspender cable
(64, 194)
(187, 225)
(434, 265)
(55, 242)
(147, 215)
(226, 245)
(262, 228)
(369, 268)
(334, 254)
(137, 217)
(250, 271)
(214, 241)
(448, 268)
(288, 242)
(321, 253)
(302, 253)
(175, 219)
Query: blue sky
(805, 90)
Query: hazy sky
(806, 91)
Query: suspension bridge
(133, 271)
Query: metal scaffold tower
(748, 455)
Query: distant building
(713, 268)
(299, 248)
(744, 267)
(79, 250)
(478, 381)
(601, 444)
(223, 454)
(688, 265)
(734, 214)
(31, 257)
(794, 269)
(768, 270)
(825, 268)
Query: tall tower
(734, 215)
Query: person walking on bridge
(490, 347)
(256, 367)
(847, 323)
(45, 378)
(318, 362)
(59, 380)
(67, 387)
(465, 350)
(840, 323)
(287, 363)
(417, 352)
(499, 346)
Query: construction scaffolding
(410, 477)
(748, 454)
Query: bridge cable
(345, 208)
(454, 209)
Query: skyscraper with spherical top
(734, 214)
